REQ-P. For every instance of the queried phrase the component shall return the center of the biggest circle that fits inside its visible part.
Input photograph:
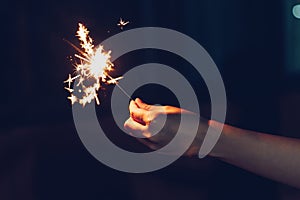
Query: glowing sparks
(73, 99)
(122, 23)
(91, 71)
(114, 81)
(70, 80)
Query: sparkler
(92, 70)
(122, 23)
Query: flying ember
(92, 68)
(122, 23)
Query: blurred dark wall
(246, 39)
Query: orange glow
(94, 65)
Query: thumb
(142, 105)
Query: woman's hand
(155, 126)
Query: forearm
(274, 157)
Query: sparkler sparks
(122, 23)
(92, 70)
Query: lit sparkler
(92, 70)
(122, 23)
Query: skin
(274, 157)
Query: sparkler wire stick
(122, 89)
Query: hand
(155, 126)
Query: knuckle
(147, 107)
(126, 124)
(148, 117)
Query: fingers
(136, 129)
(142, 105)
(138, 114)
(140, 132)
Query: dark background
(254, 44)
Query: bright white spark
(122, 23)
(91, 71)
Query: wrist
(219, 148)
(171, 110)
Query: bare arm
(274, 157)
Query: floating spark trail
(122, 23)
(91, 71)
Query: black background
(41, 154)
